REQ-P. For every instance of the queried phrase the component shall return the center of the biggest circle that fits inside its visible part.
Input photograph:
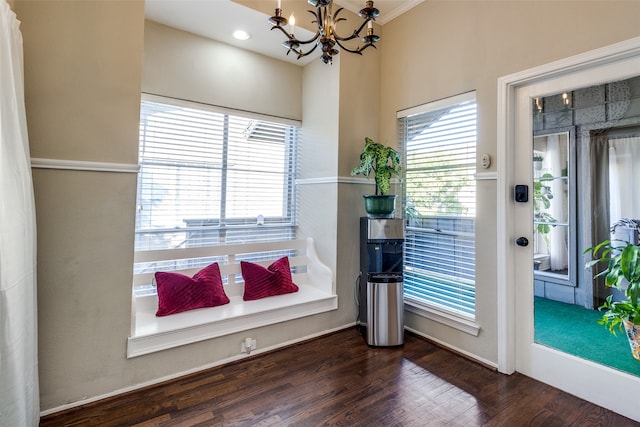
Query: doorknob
(522, 241)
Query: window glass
(439, 195)
(211, 178)
(551, 195)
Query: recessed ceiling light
(241, 35)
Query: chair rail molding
(82, 165)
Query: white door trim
(507, 86)
(624, 58)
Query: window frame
(284, 226)
(423, 307)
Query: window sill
(452, 320)
(154, 334)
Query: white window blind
(439, 196)
(211, 178)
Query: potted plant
(542, 197)
(384, 162)
(623, 274)
(537, 161)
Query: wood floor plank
(337, 380)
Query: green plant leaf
(623, 267)
(383, 161)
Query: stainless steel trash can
(385, 309)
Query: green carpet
(573, 329)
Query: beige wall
(185, 66)
(441, 49)
(82, 91)
(68, 47)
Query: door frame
(614, 62)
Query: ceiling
(217, 19)
(389, 9)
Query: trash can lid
(384, 277)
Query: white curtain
(558, 256)
(615, 207)
(624, 176)
(19, 400)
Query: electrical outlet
(248, 345)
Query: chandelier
(326, 35)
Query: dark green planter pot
(380, 206)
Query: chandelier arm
(303, 54)
(367, 45)
(355, 34)
(316, 15)
(278, 27)
(311, 40)
(358, 50)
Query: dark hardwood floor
(337, 380)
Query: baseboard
(193, 371)
(463, 353)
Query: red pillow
(178, 293)
(260, 282)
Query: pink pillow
(260, 282)
(178, 293)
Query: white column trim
(81, 165)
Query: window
(439, 141)
(552, 198)
(211, 178)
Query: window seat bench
(316, 295)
